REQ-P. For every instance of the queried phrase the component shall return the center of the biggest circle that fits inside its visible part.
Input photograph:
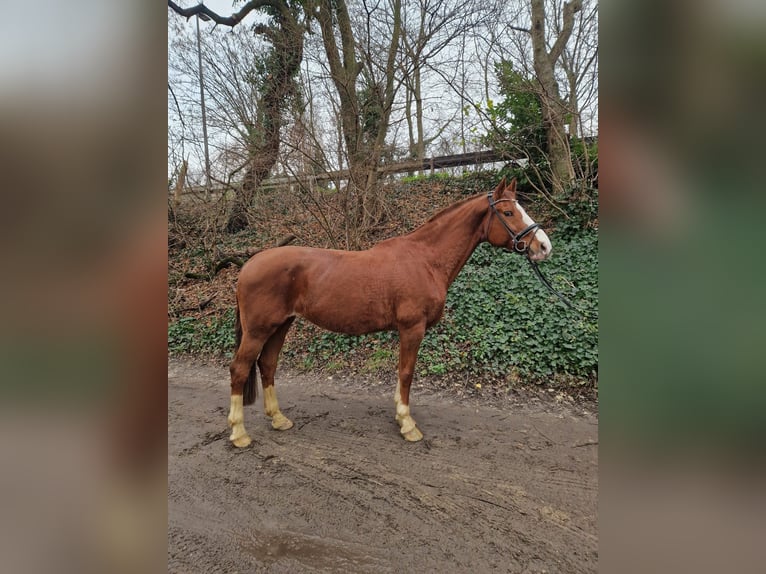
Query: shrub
(214, 334)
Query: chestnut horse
(399, 284)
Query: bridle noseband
(519, 245)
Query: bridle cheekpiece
(519, 244)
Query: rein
(550, 288)
(524, 249)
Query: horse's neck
(449, 239)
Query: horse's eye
(508, 213)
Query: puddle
(326, 553)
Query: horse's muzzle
(543, 248)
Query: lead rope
(550, 287)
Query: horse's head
(510, 227)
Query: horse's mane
(438, 215)
(450, 208)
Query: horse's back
(279, 271)
(294, 263)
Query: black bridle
(521, 246)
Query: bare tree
(554, 108)
(366, 89)
(579, 62)
(374, 87)
(429, 27)
(284, 33)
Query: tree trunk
(408, 116)
(554, 110)
(262, 160)
(559, 154)
(421, 147)
(573, 105)
(180, 184)
(283, 64)
(363, 153)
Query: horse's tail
(251, 389)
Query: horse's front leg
(409, 343)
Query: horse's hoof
(241, 441)
(413, 435)
(281, 422)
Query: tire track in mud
(466, 501)
(342, 491)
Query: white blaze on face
(539, 234)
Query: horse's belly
(350, 311)
(346, 320)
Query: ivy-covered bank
(500, 322)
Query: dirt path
(508, 488)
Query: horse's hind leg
(244, 360)
(267, 363)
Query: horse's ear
(511, 188)
(499, 190)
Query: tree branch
(232, 20)
(570, 9)
(519, 29)
(178, 107)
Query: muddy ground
(498, 485)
